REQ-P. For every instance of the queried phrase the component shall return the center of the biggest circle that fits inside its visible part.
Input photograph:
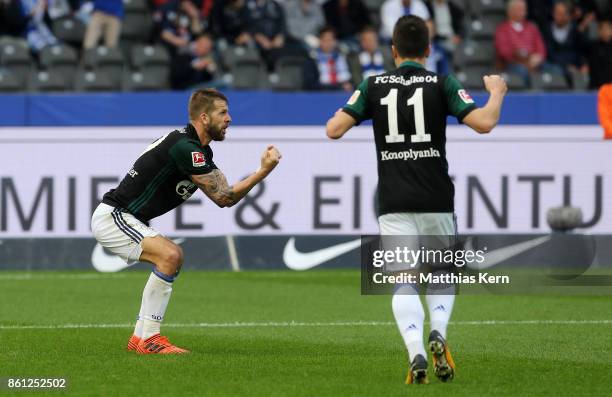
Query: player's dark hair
(368, 29)
(411, 37)
(203, 101)
(327, 29)
(566, 3)
(203, 34)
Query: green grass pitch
(298, 334)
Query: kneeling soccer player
(169, 171)
(408, 107)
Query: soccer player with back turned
(408, 107)
(165, 175)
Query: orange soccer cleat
(133, 343)
(444, 365)
(158, 344)
(417, 374)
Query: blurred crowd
(340, 42)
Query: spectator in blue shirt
(371, 59)
(334, 73)
(105, 21)
(37, 32)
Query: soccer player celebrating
(169, 171)
(408, 107)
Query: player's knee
(174, 257)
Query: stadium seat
(580, 81)
(145, 56)
(14, 50)
(235, 53)
(249, 74)
(15, 55)
(290, 74)
(126, 45)
(102, 56)
(482, 29)
(96, 80)
(69, 30)
(153, 61)
(471, 78)
(9, 81)
(49, 81)
(514, 81)
(488, 7)
(61, 58)
(58, 55)
(496, 19)
(549, 81)
(143, 80)
(160, 73)
(136, 26)
(106, 60)
(473, 53)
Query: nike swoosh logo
(109, 263)
(499, 255)
(297, 260)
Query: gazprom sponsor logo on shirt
(409, 154)
(405, 81)
(183, 189)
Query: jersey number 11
(415, 100)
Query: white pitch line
(289, 324)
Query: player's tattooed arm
(215, 186)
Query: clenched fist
(270, 158)
(495, 84)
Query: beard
(216, 133)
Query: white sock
(150, 328)
(440, 304)
(138, 328)
(409, 316)
(155, 299)
(139, 323)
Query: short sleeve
(459, 102)
(192, 159)
(357, 105)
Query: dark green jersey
(408, 108)
(159, 180)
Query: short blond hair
(202, 101)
